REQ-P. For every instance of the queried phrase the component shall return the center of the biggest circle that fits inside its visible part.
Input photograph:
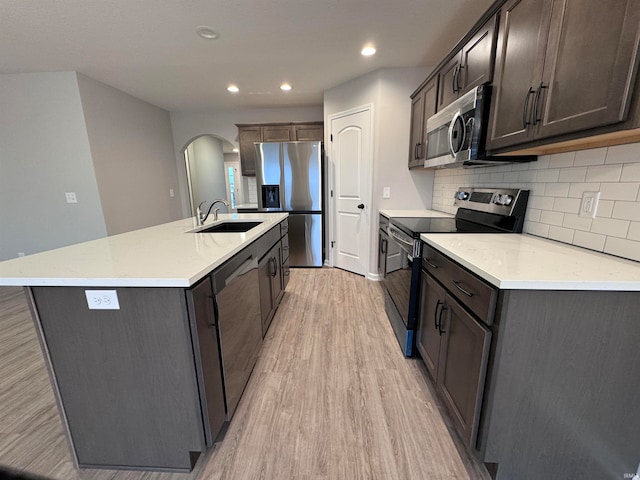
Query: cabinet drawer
(383, 222)
(284, 227)
(477, 295)
(267, 241)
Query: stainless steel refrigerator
(289, 179)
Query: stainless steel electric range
(481, 210)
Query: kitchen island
(150, 336)
(555, 331)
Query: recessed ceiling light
(285, 87)
(207, 32)
(368, 51)
(233, 89)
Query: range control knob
(461, 195)
(500, 199)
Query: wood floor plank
(331, 397)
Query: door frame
(331, 183)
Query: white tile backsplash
(626, 211)
(595, 156)
(629, 153)
(622, 248)
(634, 231)
(572, 174)
(631, 172)
(252, 188)
(610, 226)
(557, 183)
(619, 191)
(605, 173)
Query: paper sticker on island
(102, 299)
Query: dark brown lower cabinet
(462, 367)
(428, 337)
(547, 377)
(455, 349)
(271, 286)
(200, 305)
(125, 382)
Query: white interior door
(351, 157)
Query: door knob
(361, 206)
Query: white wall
(388, 91)
(44, 152)
(133, 157)
(556, 183)
(187, 126)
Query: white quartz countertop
(525, 262)
(414, 213)
(166, 255)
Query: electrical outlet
(589, 204)
(102, 299)
(71, 197)
(20, 254)
(386, 192)
(171, 194)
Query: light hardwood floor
(331, 397)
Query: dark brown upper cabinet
(277, 133)
(562, 66)
(423, 105)
(309, 132)
(471, 67)
(249, 134)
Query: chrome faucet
(201, 218)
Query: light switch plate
(386, 192)
(71, 197)
(102, 299)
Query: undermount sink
(229, 227)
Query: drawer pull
(426, 260)
(457, 284)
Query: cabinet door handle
(215, 311)
(383, 246)
(435, 315)
(440, 330)
(458, 78)
(416, 155)
(536, 101)
(426, 260)
(525, 108)
(457, 285)
(453, 80)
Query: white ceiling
(149, 48)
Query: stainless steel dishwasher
(237, 305)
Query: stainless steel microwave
(456, 134)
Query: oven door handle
(394, 234)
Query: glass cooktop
(414, 226)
